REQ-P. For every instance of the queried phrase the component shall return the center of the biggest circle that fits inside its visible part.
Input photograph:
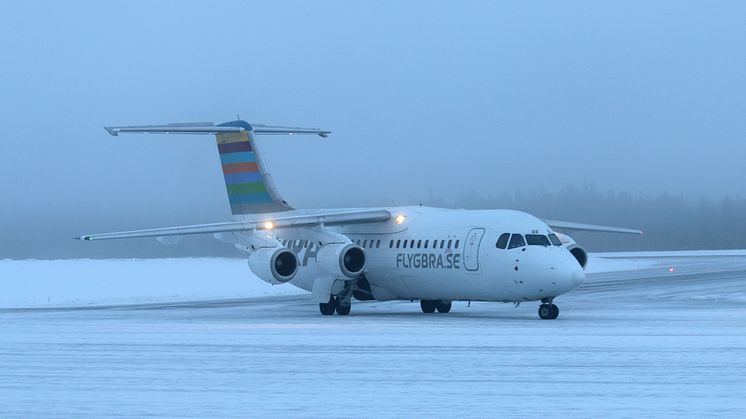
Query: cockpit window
(502, 242)
(516, 240)
(537, 240)
(555, 240)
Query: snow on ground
(86, 282)
(54, 283)
(643, 342)
(607, 264)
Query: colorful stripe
(246, 188)
(234, 147)
(240, 157)
(253, 198)
(237, 137)
(240, 167)
(245, 177)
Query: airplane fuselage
(442, 254)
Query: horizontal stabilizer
(211, 128)
(564, 225)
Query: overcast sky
(443, 96)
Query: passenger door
(471, 249)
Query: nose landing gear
(547, 310)
(429, 306)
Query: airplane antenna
(238, 117)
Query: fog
(459, 104)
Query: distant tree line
(669, 222)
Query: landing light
(400, 218)
(269, 225)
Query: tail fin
(249, 185)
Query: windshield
(516, 240)
(537, 240)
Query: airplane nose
(578, 277)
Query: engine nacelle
(342, 260)
(274, 265)
(578, 252)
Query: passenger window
(378, 244)
(555, 240)
(405, 244)
(457, 244)
(516, 240)
(426, 241)
(398, 242)
(449, 243)
(365, 243)
(442, 243)
(391, 244)
(537, 240)
(419, 243)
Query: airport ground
(667, 338)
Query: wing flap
(265, 223)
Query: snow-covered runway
(666, 338)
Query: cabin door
(471, 249)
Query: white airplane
(433, 255)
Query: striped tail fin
(250, 187)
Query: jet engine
(342, 260)
(578, 252)
(274, 265)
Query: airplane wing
(564, 225)
(267, 222)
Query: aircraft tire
(555, 311)
(327, 309)
(427, 306)
(545, 312)
(344, 309)
(443, 306)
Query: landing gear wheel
(344, 309)
(548, 311)
(327, 309)
(427, 306)
(443, 306)
(555, 311)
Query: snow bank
(598, 264)
(55, 283)
(628, 261)
(672, 254)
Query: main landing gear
(547, 310)
(335, 304)
(429, 306)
